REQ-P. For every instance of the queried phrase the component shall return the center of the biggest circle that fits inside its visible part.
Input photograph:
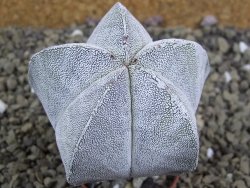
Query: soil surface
(28, 153)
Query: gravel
(29, 156)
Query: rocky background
(29, 156)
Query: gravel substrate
(28, 153)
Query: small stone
(5, 185)
(76, 33)
(60, 181)
(200, 121)
(38, 185)
(243, 46)
(20, 99)
(227, 76)
(236, 48)
(49, 182)
(237, 58)
(246, 67)
(234, 86)
(129, 185)
(244, 165)
(247, 54)
(223, 45)
(2, 166)
(29, 185)
(217, 59)
(227, 96)
(26, 127)
(12, 147)
(209, 20)
(235, 75)
(60, 169)
(198, 33)
(196, 180)
(214, 77)
(244, 85)
(230, 137)
(210, 153)
(11, 138)
(247, 179)
(3, 107)
(209, 179)
(9, 67)
(229, 177)
(190, 37)
(137, 182)
(239, 184)
(11, 83)
(32, 90)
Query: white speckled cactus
(121, 105)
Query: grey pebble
(11, 83)
(223, 45)
(239, 184)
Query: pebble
(32, 90)
(3, 107)
(223, 45)
(61, 182)
(247, 54)
(11, 138)
(208, 179)
(9, 67)
(227, 76)
(137, 182)
(11, 83)
(200, 121)
(209, 20)
(239, 184)
(246, 67)
(77, 33)
(26, 127)
(243, 46)
(49, 182)
(244, 165)
(229, 177)
(210, 153)
(244, 85)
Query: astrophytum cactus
(122, 105)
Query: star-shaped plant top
(122, 105)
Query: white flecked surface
(121, 105)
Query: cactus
(122, 105)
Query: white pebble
(243, 47)
(209, 20)
(229, 177)
(137, 182)
(227, 76)
(210, 153)
(116, 186)
(32, 90)
(246, 67)
(76, 32)
(3, 106)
